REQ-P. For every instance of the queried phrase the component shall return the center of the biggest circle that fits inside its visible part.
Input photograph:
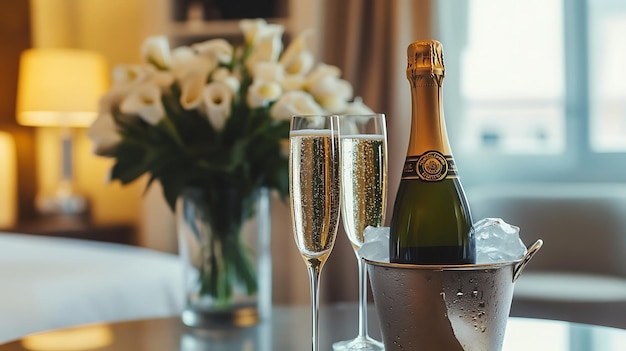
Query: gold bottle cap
(425, 57)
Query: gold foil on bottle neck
(425, 58)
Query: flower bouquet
(212, 120)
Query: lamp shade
(60, 87)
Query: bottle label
(431, 166)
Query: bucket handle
(519, 267)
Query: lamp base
(63, 201)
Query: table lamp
(61, 88)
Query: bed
(48, 283)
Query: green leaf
(131, 163)
(173, 184)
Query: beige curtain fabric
(367, 39)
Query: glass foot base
(236, 317)
(360, 344)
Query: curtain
(368, 39)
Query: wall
(15, 34)
(113, 28)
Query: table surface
(289, 329)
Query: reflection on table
(289, 329)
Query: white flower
(294, 82)
(191, 90)
(103, 133)
(254, 29)
(144, 101)
(297, 59)
(128, 77)
(196, 65)
(328, 89)
(222, 74)
(156, 50)
(357, 107)
(266, 44)
(268, 71)
(261, 93)
(333, 103)
(332, 94)
(192, 77)
(163, 79)
(217, 98)
(320, 72)
(294, 103)
(111, 99)
(186, 62)
(181, 56)
(217, 48)
(324, 81)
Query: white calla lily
(295, 103)
(297, 59)
(145, 101)
(217, 98)
(267, 45)
(268, 71)
(127, 77)
(217, 48)
(333, 103)
(156, 50)
(331, 86)
(256, 29)
(293, 82)
(111, 99)
(357, 107)
(222, 74)
(320, 72)
(181, 56)
(301, 64)
(262, 93)
(104, 135)
(130, 75)
(163, 79)
(192, 78)
(196, 65)
(250, 28)
(191, 90)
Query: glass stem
(362, 298)
(314, 267)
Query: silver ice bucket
(444, 307)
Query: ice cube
(375, 244)
(497, 241)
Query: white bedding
(48, 283)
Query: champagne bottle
(431, 222)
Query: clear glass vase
(224, 243)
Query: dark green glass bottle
(431, 222)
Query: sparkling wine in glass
(314, 191)
(363, 155)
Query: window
(607, 75)
(512, 77)
(536, 89)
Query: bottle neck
(428, 128)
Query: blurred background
(535, 102)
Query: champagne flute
(363, 154)
(314, 192)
